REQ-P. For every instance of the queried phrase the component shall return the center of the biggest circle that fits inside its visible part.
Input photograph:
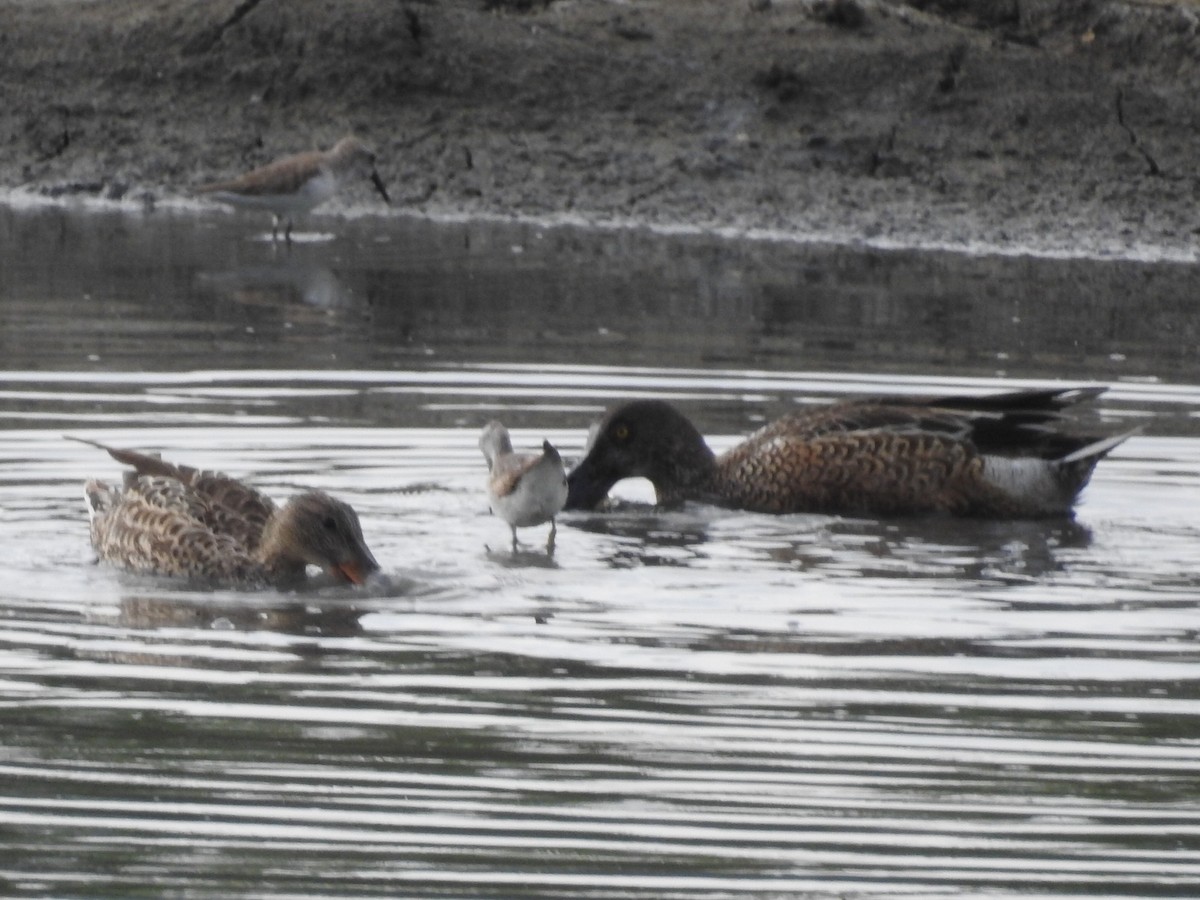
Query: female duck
(176, 520)
(967, 456)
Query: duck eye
(329, 523)
(621, 432)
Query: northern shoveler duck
(524, 489)
(297, 184)
(176, 520)
(995, 456)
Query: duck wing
(508, 470)
(859, 416)
(1009, 423)
(234, 509)
(1034, 400)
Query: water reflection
(976, 551)
(296, 618)
(506, 293)
(521, 558)
(639, 535)
(283, 283)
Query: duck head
(643, 439)
(314, 529)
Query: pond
(689, 703)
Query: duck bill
(587, 486)
(356, 571)
(378, 182)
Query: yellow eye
(621, 432)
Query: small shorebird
(524, 489)
(179, 521)
(297, 184)
(992, 456)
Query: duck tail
(1036, 404)
(1097, 450)
(143, 463)
(99, 497)
(1036, 486)
(1075, 469)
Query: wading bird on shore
(297, 184)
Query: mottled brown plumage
(999, 456)
(175, 520)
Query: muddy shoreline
(1048, 125)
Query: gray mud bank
(1048, 125)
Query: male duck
(175, 520)
(993, 456)
(524, 489)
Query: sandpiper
(524, 489)
(297, 184)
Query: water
(699, 703)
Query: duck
(523, 489)
(298, 183)
(997, 456)
(174, 520)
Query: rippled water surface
(696, 703)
